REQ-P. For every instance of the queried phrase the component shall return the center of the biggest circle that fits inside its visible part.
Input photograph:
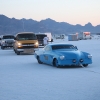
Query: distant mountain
(13, 26)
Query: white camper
(84, 35)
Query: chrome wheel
(55, 63)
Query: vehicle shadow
(70, 67)
(66, 67)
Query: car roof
(7, 35)
(58, 44)
(40, 34)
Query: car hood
(71, 54)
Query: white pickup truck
(7, 41)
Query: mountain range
(13, 26)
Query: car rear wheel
(85, 65)
(38, 59)
(55, 63)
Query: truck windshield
(26, 37)
(40, 36)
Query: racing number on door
(46, 57)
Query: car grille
(27, 45)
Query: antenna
(23, 25)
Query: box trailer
(72, 37)
(84, 35)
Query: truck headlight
(3, 42)
(62, 57)
(19, 44)
(36, 43)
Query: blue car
(60, 55)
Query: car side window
(47, 48)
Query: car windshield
(26, 37)
(8, 37)
(55, 47)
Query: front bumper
(69, 62)
(26, 48)
(29, 50)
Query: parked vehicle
(60, 55)
(84, 35)
(40, 37)
(72, 37)
(7, 41)
(25, 42)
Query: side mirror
(51, 40)
(76, 47)
(14, 38)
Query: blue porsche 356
(60, 55)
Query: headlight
(36, 43)
(74, 60)
(62, 57)
(3, 41)
(19, 44)
(89, 56)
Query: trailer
(87, 35)
(72, 37)
(84, 35)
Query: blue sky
(70, 11)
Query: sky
(70, 11)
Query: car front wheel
(55, 63)
(85, 65)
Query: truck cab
(25, 42)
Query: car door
(47, 54)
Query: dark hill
(13, 26)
